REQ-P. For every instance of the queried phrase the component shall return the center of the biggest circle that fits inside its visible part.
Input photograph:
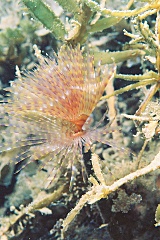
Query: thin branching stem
(100, 191)
(129, 87)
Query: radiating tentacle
(46, 112)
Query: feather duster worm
(48, 110)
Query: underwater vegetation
(80, 124)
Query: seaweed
(114, 179)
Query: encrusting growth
(48, 109)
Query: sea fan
(48, 110)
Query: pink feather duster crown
(48, 109)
